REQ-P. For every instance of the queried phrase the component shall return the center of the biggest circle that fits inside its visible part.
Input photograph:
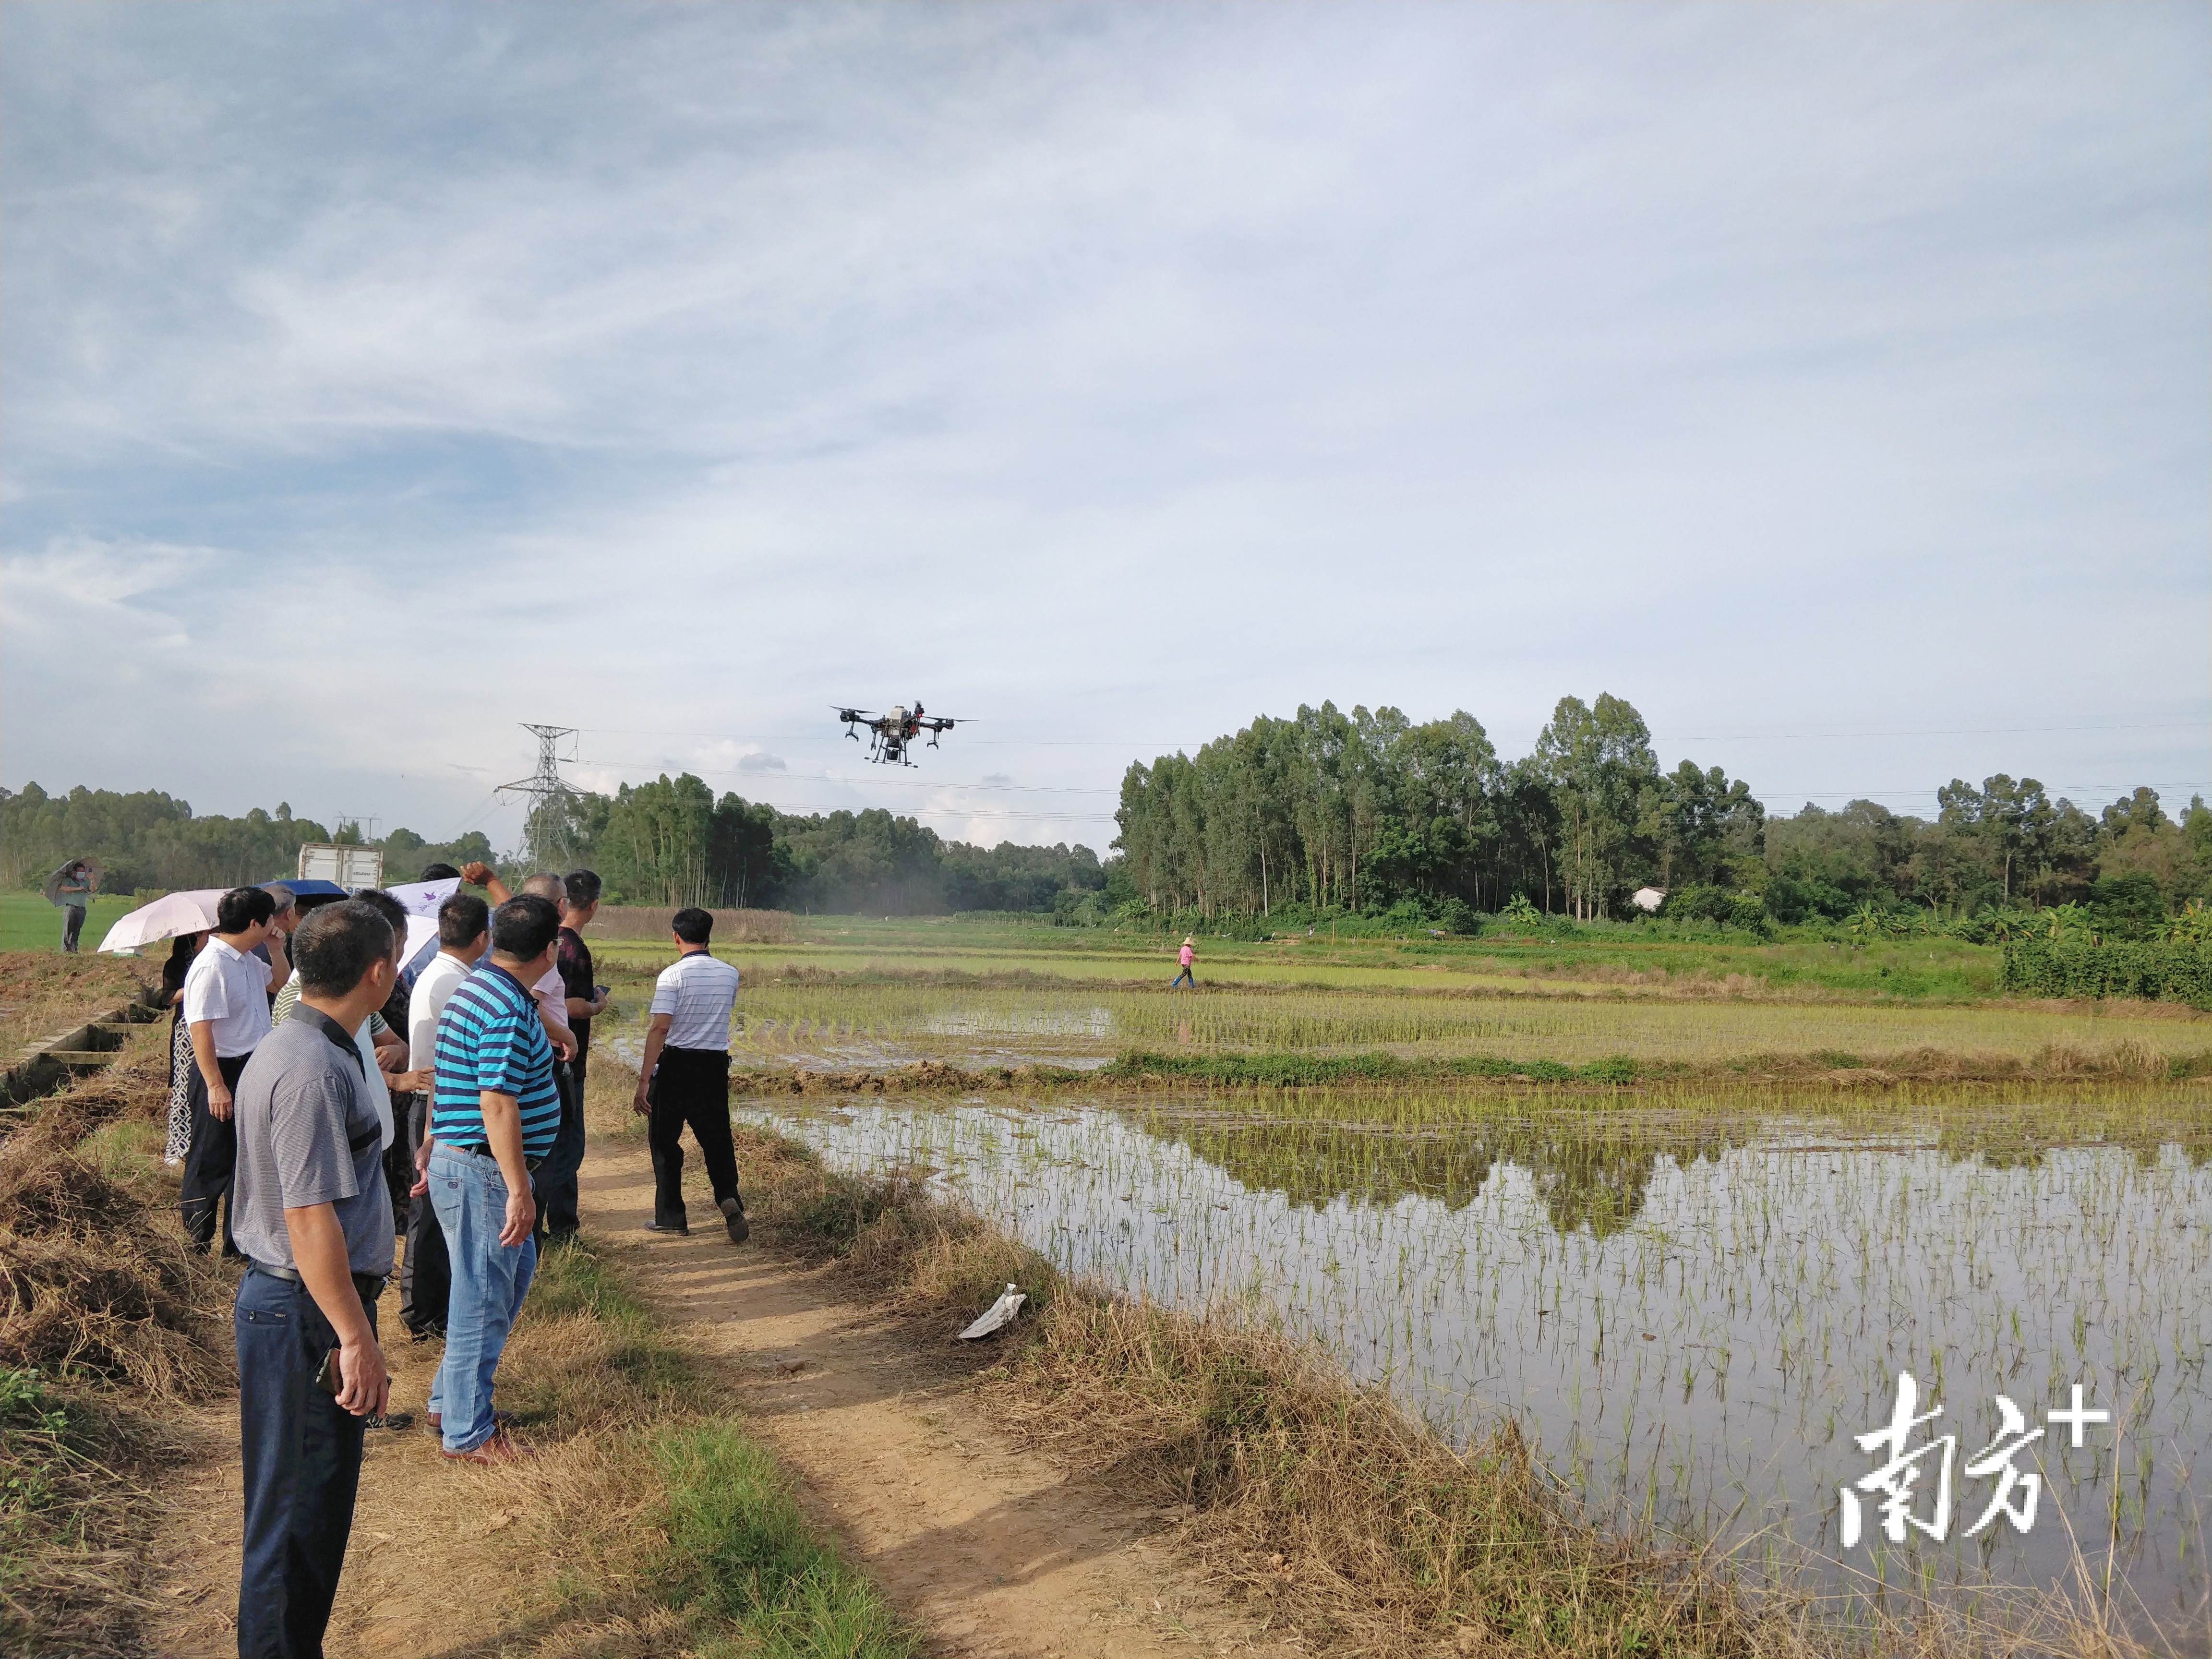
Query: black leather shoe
(657, 1227)
(733, 1216)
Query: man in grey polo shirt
(313, 1219)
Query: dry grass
(109, 1320)
(42, 992)
(643, 922)
(95, 1282)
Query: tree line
(1369, 811)
(1325, 812)
(147, 840)
(670, 841)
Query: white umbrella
(422, 943)
(423, 898)
(166, 918)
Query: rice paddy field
(1696, 1299)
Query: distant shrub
(2172, 970)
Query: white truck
(352, 868)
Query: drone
(889, 735)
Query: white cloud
(1109, 376)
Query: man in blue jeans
(313, 1218)
(496, 1113)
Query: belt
(369, 1286)
(483, 1150)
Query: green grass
(27, 922)
(740, 1549)
(740, 1562)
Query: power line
(1707, 736)
(877, 783)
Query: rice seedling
(1692, 1311)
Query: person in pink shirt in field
(1184, 955)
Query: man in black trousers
(226, 993)
(685, 1077)
(314, 1223)
(557, 1186)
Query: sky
(1833, 383)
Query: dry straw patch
(110, 1320)
(95, 1281)
(645, 921)
(42, 992)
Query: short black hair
(338, 944)
(393, 912)
(242, 908)
(460, 919)
(439, 872)
(523, 926)
(582, 887)
(691, 925)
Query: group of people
(332, 1094)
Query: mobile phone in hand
(327, 1378)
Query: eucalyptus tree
(1598, 761)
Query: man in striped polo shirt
(685, 1077)
(494, 1113)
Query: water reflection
(1586, 1177)
(1694, 1315)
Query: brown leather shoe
(496, 1449)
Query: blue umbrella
(308, 887)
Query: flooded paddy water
(1696, 1310)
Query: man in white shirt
(685, 1077)
(227, 994)
(425, 1275)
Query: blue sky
(1833, 383)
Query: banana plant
(2071, 920)
(1867, 922)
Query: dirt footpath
(986, 1549)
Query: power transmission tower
(546, 825)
